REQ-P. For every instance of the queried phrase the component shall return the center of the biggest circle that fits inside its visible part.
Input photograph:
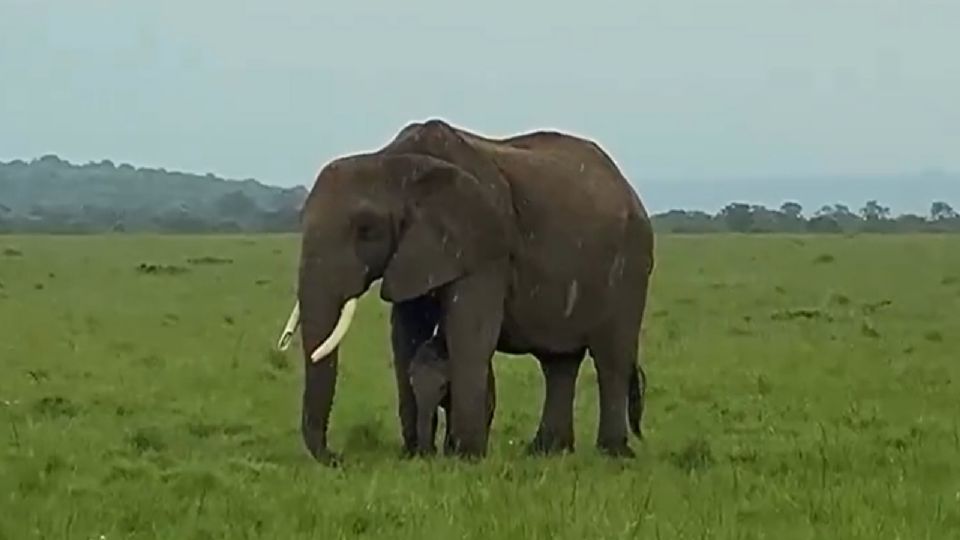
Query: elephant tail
(635, 399)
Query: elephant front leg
(491, 411)
(491, 397)
(411, 324)
(555, 433)
(473, 314)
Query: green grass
(801, 387)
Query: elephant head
(413, 220)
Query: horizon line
(933, 172)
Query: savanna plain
(800, 387)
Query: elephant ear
(451, 224)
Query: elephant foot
(543, 445)
(416, 452)
(316, 442)
(619, 449)
(427, 452)
(470, 457)
(410, 448)
(325, 456)
(466, 453)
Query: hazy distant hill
(50, 194)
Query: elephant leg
(615, 351)
(411, 324)
(491, 397)
(491, 410)
(555, 433)
(614, 358)
(473, 315)
(447, 437)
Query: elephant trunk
(320, 383)
(426, 431)
(321, 318)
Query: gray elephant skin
(430, 380)
(532, 244)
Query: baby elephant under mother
(533, 244)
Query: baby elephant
(429, 373)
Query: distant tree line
(873, 217)
(50, 195)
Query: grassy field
(800, 388)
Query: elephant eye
(367, 227)
(365, 232)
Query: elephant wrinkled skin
(533, 244)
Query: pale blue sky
(675, 89)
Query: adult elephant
(533, 244)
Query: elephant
(534, 244)
(430, 380)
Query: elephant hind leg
(555, 433)
(620, 375)
(615, 360)
(635, 399)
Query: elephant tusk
(288, 330)
(340, 330)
